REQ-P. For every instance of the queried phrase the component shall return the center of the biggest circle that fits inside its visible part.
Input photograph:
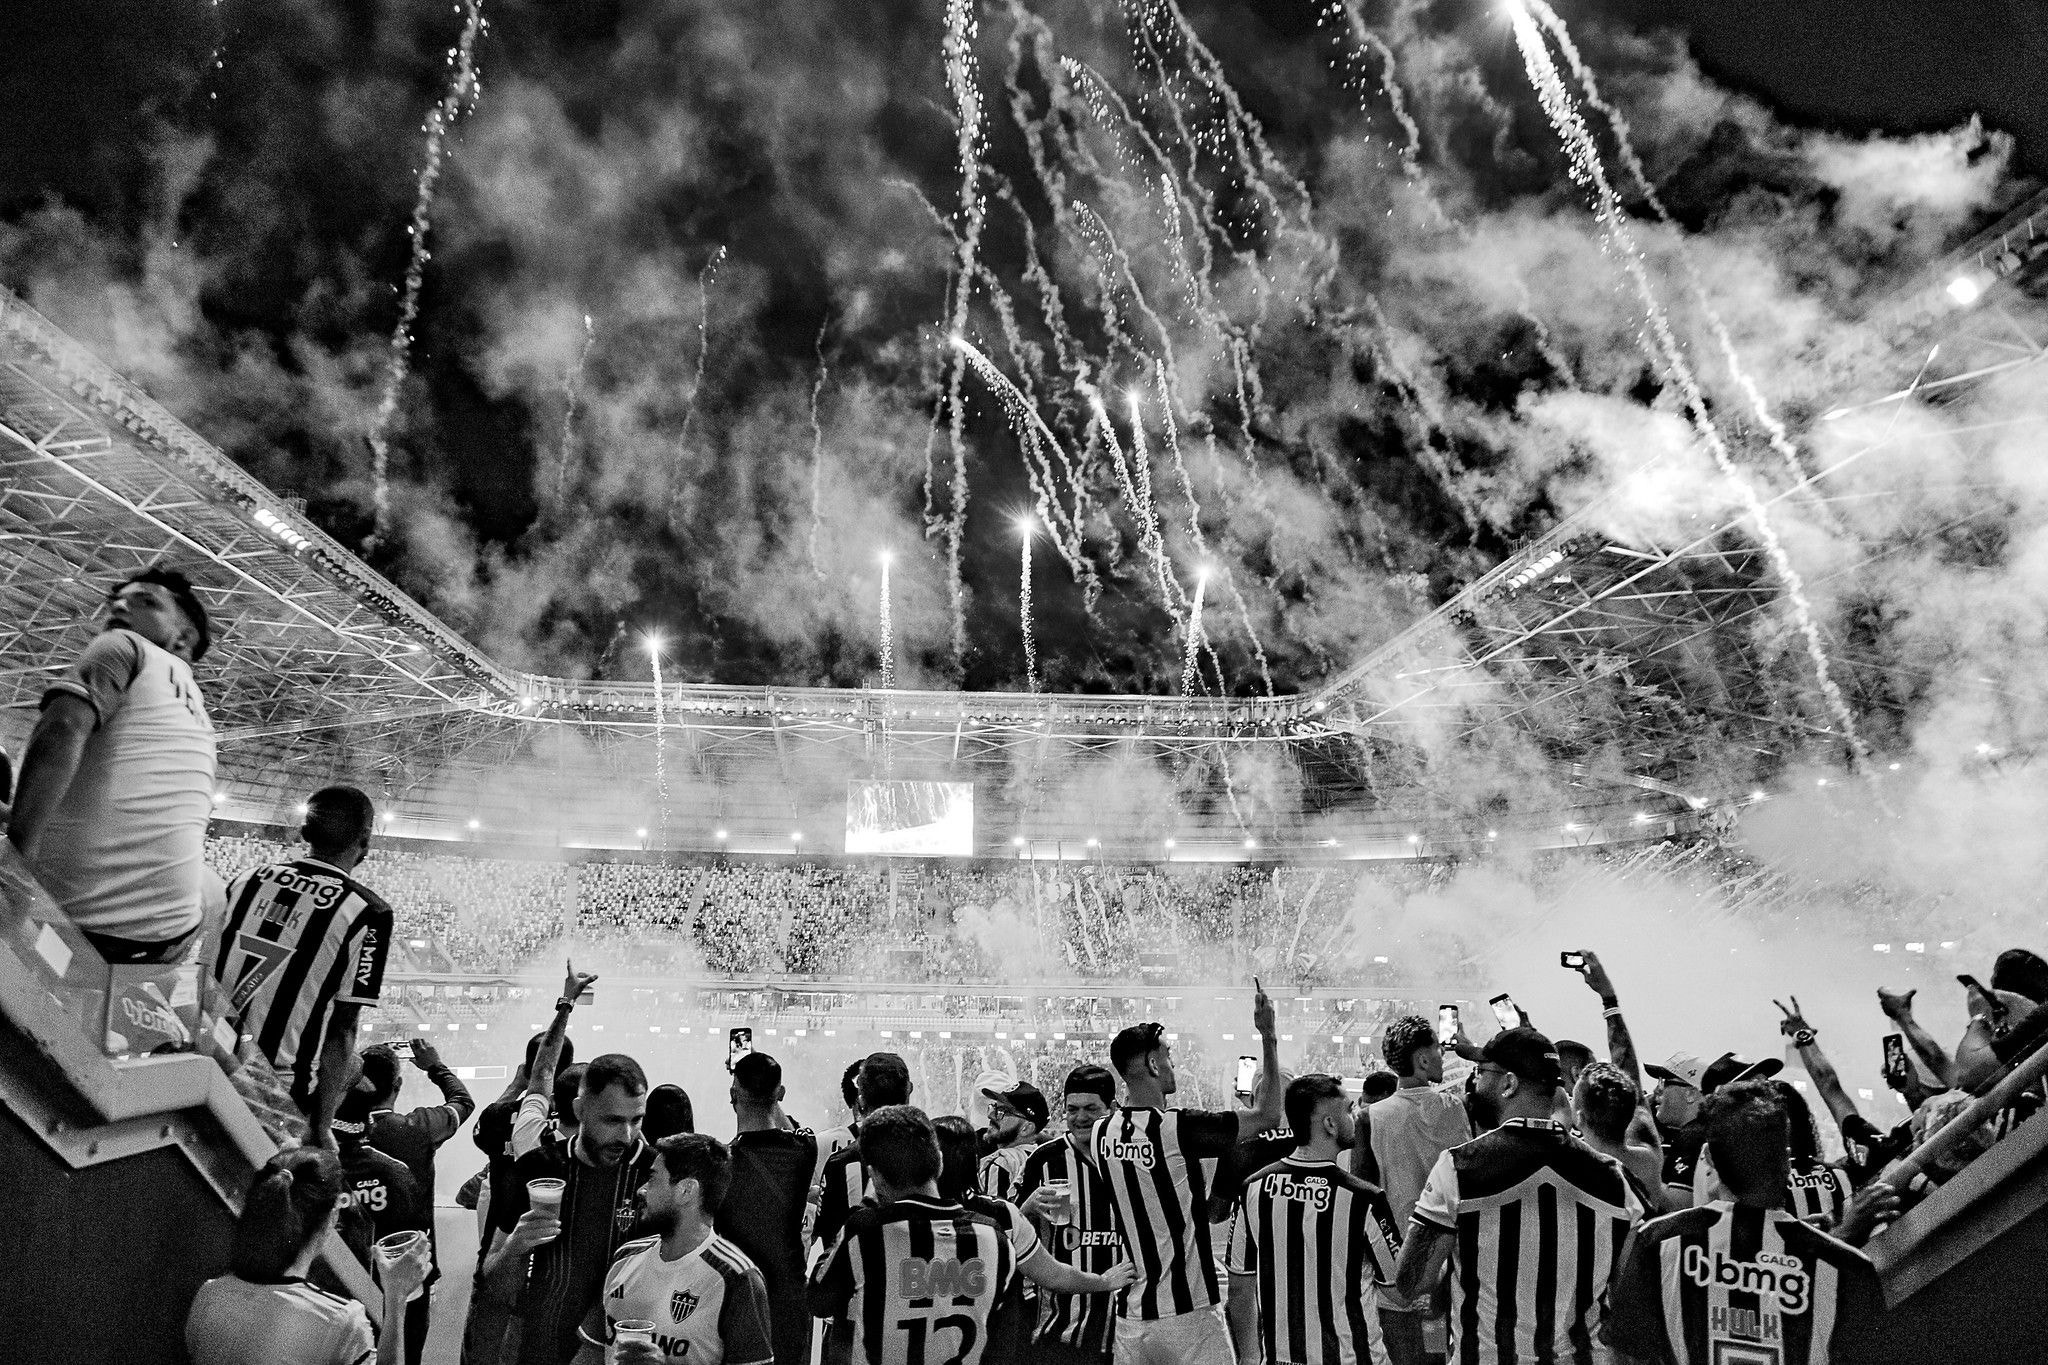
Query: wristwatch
(563, 1002)
(1804, 1038)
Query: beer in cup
(392, 1249)
(545, 1195)
(631, 1332)
(1060, 1197)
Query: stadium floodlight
(1965, 289)
(1251, 843)
(796, 836)
(1820, 782)
(1758, 795)
(476, 824)
(1169, 843)
(1095, 843)
(719, 835)
(641, 833)
(1417, 838)
(1017, 841)
(220, 798)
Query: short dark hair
(1404, 1038)
(1133, 1044)
(884, 1080)
(1746, 1132)
(1379, 1084)
(380, 1069)
(568, 1085)
(1526, 1054)
(669, 1112)
(1304, 1093)
(285, 1209)
(848, 1089)
(1572, 1056)
(898, 1143)
(338, 817)
(562, 1058)
(613, 1068)
(1802, 1138)
(180, 589)
(1607, 1101)
(1090, 1079)
(694, 1156)
(959, 1155)
(758, 1076)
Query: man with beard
(1015, 1118)
(1069, 1205)
(1529, 1218)
(600, 1173)
(706, 1301)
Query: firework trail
(1137, 493)
(216, 59)
(703, 342)
(1030, 429)
(1434, 455)
(1190, 671)
(1588, 170)
(888, 628)
(818, 451)
(1781, 440)
(961, 30)
(1024, 529)
(660, 740)
(572, 385)
(1169, 206)
(463, 88)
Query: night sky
(1441, 363)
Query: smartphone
(1446, 1024)
(402, 1049)
(738, 1043)
(1572, 961)
(1895, 1064)
(1505, 1011)
(1247, 1074)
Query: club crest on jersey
(681, 1304)
(1781, 1277)
(1137, 1151)
(942, 1278)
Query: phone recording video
(1247, 1074)
(1572, 961)
(1504, 1010)
(738, 1043)
(1895, 1064)
(402, 1049)
(1446, 1024)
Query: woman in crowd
(262, 1312)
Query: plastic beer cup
(631, 1332)
(545, 1195)
(1061, 1193)
(391, 1249)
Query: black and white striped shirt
(844, 1186)
(1538, 1220)
(1726, 1283)
(300, 938)
(1314, 1235)
(1088, 1242)
(1151, 1159)
(920, 1279)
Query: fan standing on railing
(117, 782)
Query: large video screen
(922, 819)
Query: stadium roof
(1594, 685)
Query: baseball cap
(1729, 1068)
(1526, 1053)
(1684, 1067)
(2022, 973)
(1025, 1098)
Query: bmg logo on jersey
(1779, 1276)
(1137, 1151)
(1313, 1190)
(942, 1279)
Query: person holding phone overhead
(1410, 1129)
(1151, 1158)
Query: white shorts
(1197, 1338)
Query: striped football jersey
(1538, 1220)
(300, 938)
(920, 1280)
(1152, 1161)
(1314, 1235)
(1087, 1242)
(1724, 1284)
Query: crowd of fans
(1525, 1198)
